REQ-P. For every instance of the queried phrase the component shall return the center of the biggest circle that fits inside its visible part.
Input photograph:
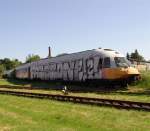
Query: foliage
(10, 64)
(32, 58)
(16, 63)
(128, 56)
(7, 64)
(2, 69)
(135, 56)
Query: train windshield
(122, 62)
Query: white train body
(96, 64)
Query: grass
(26, 114)
(145, 82)
(5, 82)
(18, 113)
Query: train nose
(132, 71)
(133, 74)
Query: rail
(84, 100)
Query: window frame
(106, 62)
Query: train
(101, 66)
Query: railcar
(23, 71)
(100, 65)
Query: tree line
(135, 56)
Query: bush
(2, 69)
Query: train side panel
(23, 72)
(76, 67)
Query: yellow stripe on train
(119, 73)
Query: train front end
(129, 72)
(121, 70)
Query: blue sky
(30, 26)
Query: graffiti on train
(81, 69)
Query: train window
(106, 63)
(122, 62)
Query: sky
(30, 26)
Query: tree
(32, 58)
(16, 63)
(10, 64)
(128, 56)
(136, 56)
(2, 69)
(7, 63)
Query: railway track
(83, 100)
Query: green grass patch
(145, 82)
(14, 82)
(5, 82)
(18, 113)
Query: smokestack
(49, 52)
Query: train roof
(84, 54)
(77, 55)
(103, 52)
(25, 65)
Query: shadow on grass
(78, 87)
(35, 84)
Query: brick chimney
(49, 52)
